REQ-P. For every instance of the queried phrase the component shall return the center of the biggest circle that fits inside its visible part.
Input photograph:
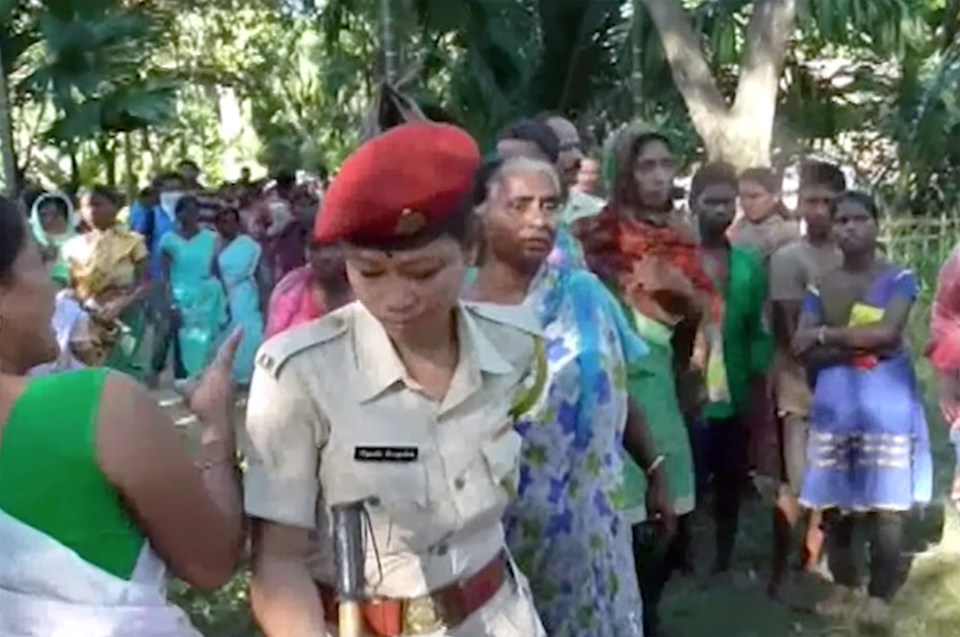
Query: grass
(927, 605)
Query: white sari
(48, 590)
(69, 323)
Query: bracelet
(822, 334)
(659, 460)
(206, 465)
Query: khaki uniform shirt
(793, 268)
(329, 396)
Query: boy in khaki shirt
(793, 268)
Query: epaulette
(275, 353)
(519, 316)
(534, 384)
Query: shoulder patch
(275, 353)
(521, 316)
(534, 383)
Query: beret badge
(410, 223)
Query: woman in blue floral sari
(564, 529)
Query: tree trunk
(129, 174)
(636, 72)
(6, 136)
(230, 119)
(74, 168)
(109, 159)
(147, 150)
(389, 42)
(740, 133)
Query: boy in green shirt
(734, 354)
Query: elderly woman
(108, 268)
(98, 496)
(868, 453)
(564, 529)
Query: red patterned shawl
(657, 268)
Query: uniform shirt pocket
(483, 488)
(399, 510)
(502, 457)
(396, 498)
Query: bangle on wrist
(653, 466)
(822, 334)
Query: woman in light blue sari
(239, 263)
(196, 293)
(565, 528)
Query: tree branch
(768, 34)
(951, 24)
(690, 70)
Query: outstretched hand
(211, 399)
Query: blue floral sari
(563, 529)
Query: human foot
(841, 600)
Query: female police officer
(401, 400)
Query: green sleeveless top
(50, 478)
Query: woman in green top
(97, 494)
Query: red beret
(399, 183)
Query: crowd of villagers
(758, 351)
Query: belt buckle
(421, 615)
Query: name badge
(386, 454)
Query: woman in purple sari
(868, 455)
